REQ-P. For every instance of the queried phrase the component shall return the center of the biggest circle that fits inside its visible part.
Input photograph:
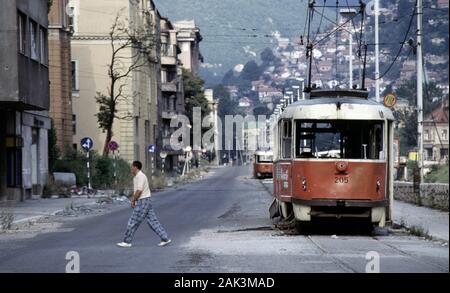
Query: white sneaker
(124, 245)
(164, 243)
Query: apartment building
(173, 103)
(136, 124)
(24, 98)
(60, 70)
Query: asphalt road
(219, 224)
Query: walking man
(142, 209)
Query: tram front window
(265, 159)
(339, 139)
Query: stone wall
(434, 195)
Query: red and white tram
(262, 165)
(333, 157)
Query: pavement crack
(263, 228)
(235, 208)
(415, 257)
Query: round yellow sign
(390, 100)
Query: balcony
(168, 61)
(169, 114)
(170, 87)
(25, 86)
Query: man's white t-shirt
(140, 182)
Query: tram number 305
(341, 180)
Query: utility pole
(351, 61)
(216, 133)
(420, 88)
(377, 51)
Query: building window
(444, 153)
(74, 124)
(444, 134)
(426, 134)
(75, 76)
(22, 32)
(43, 45)
(73, 19)
(33, 40)
(64, 15)
(174, 104)
(429, 154)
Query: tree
(267, 56)
(53, 150)
(227, 106)
(194, 94)
(251, 71)
(408, 131)
(261, 109)
(130, 52)
(229, 78)
(432, 95)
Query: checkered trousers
(144, 211)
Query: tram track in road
(343, 265)
(410, 255)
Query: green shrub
(102, 170)
(438, 174)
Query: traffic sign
(390, 100)
(151, 148)
(87, 143)
(113, 146)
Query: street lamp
(302, 80)
(348, 14)
(216, 132)
(297, 87)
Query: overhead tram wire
(321, 20)
(333, 22)
(332, 32)
(401, 46)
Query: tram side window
(286, 140)
(340, 139)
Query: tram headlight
(304, 184)
(378, 184)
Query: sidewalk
(35, 209)
(435, 222)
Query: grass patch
(419, 231)
(414, 230)
(438, 174)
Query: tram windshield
(339, 139)
(265, 159)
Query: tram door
(284, 166)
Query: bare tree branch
(131, 50)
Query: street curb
(34, 218)
(407, 226)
